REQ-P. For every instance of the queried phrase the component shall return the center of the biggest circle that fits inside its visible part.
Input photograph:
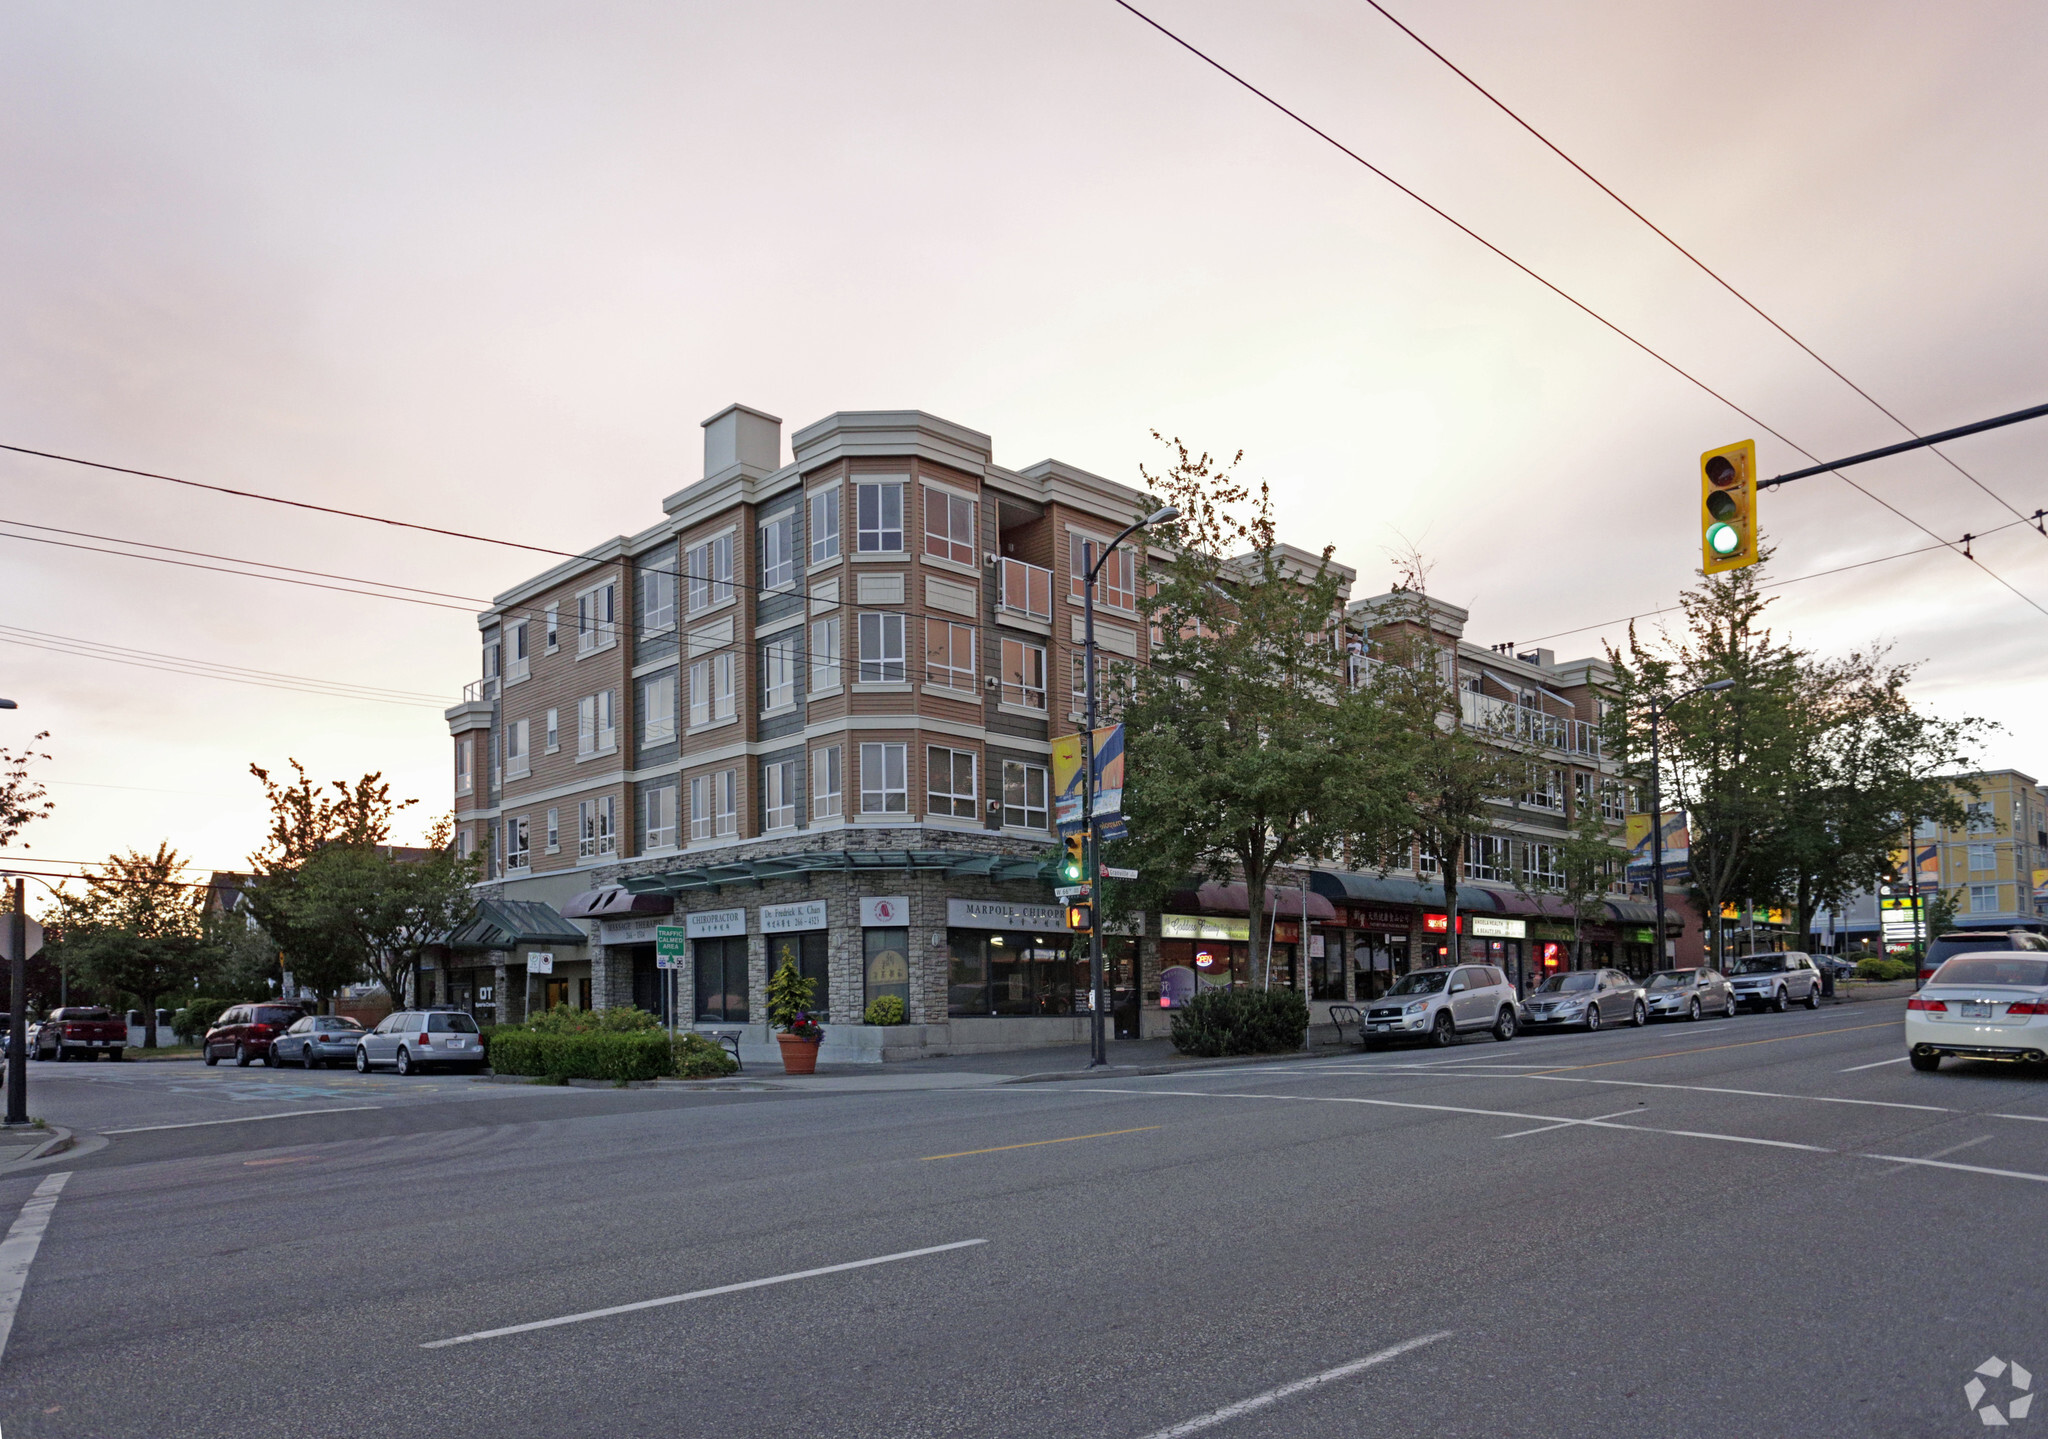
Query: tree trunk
(1260, 958)
(148, 1019)
(1448, 865)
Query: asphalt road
(1747, 1227)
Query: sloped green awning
(752, 873)
(503, 923)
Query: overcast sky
(487, 266)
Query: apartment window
(1983, 899)
(658, 708)
(517, 853)
(490, 669)
(1546, 865)
(554, 831)
(518, 758)
(826, 801)
(711, 693)
(1115, 584)
(465, 844)
(778, 551)
(658, 596)
(596, 728)
(714, 808)
(778, 794)
(878, 506)
(465, 762)
(596, 618)
(551, 625)
(881, 649)
(518, 664)
(948, 527)
(778, 673)
(1610, 801)
(1979, 817)
(949, 782)
(658, 831)
(1983, 858)
(1486, 857)
(1114, 680)
(1024, 794)
(949, 654)
(884, 779)
(1023, 674)
(1546, 788)
(607, 824)
(825, 654)
(1427, 861)
(586, 827)
(710, 567)
(554, 730)
(1583, 789)
(824, 525)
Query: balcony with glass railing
(1507, 720)
(484, 690)
(1025, 590)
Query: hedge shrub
(1879, 967)
(886, 1010)
(199, 1015)
(515, 1049)
(1241, 1021)
(701, 1058)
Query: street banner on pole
(1109, 781)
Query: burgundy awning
(1213, 898)
(1510, 901)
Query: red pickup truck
(80, 1033)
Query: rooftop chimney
(741, 440)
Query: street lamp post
(1098, 1041)
(1657, 803)
(17, 1022)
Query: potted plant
(799, 1035)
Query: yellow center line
(1034, 1143)
(1710, 1048)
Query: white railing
(484, 690)
(1026, 590)
(1509, 720)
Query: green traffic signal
(1723, 539)
(1073, 867)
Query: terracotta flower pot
(799, 1056)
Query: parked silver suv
(1440, 1004)
(1772, 981)
(413, 1039)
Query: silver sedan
(1689, 994)
(317, 1041)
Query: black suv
(1973, 941)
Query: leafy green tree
(23, 800)
(136, 930)
(1248, 750)
(1864, 765)
(1727, 757)
(1591, 857)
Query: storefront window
(1188, 967)
(885, 964)
(807, 951)
(721, 979)
(999, 972)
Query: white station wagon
(414, 1039)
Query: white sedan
(1987, 1005)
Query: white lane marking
(1286, 1391)
(1879, 1064)
(699, 1294)
(1484, 1113)
(2030, 1118)
(18, 1249)
(1563, 1124)
(1965, 1168)
(245, 1119)
(1707, 1089)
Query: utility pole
(17, 1017)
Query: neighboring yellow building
(1993, 864)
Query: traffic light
(1728, 507)
(1080, 917)
(1074, 868)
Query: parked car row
(408, 1041)
(1437, 1005)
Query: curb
(62, 1142)
(1135, 1071)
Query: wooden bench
(730, 1039)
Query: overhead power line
(1704, 268)
(211, 669)
(1568, 298)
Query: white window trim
(551, 625)
(812, 567)
(1101, 591)
(607, 632)
(731, 587)
(854, 482)
(788, 517)
(671, 565)
(552, 725)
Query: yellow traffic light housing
(1080, 917)
(1728, 536)
(1074, 867)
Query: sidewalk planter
(799, 1056)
